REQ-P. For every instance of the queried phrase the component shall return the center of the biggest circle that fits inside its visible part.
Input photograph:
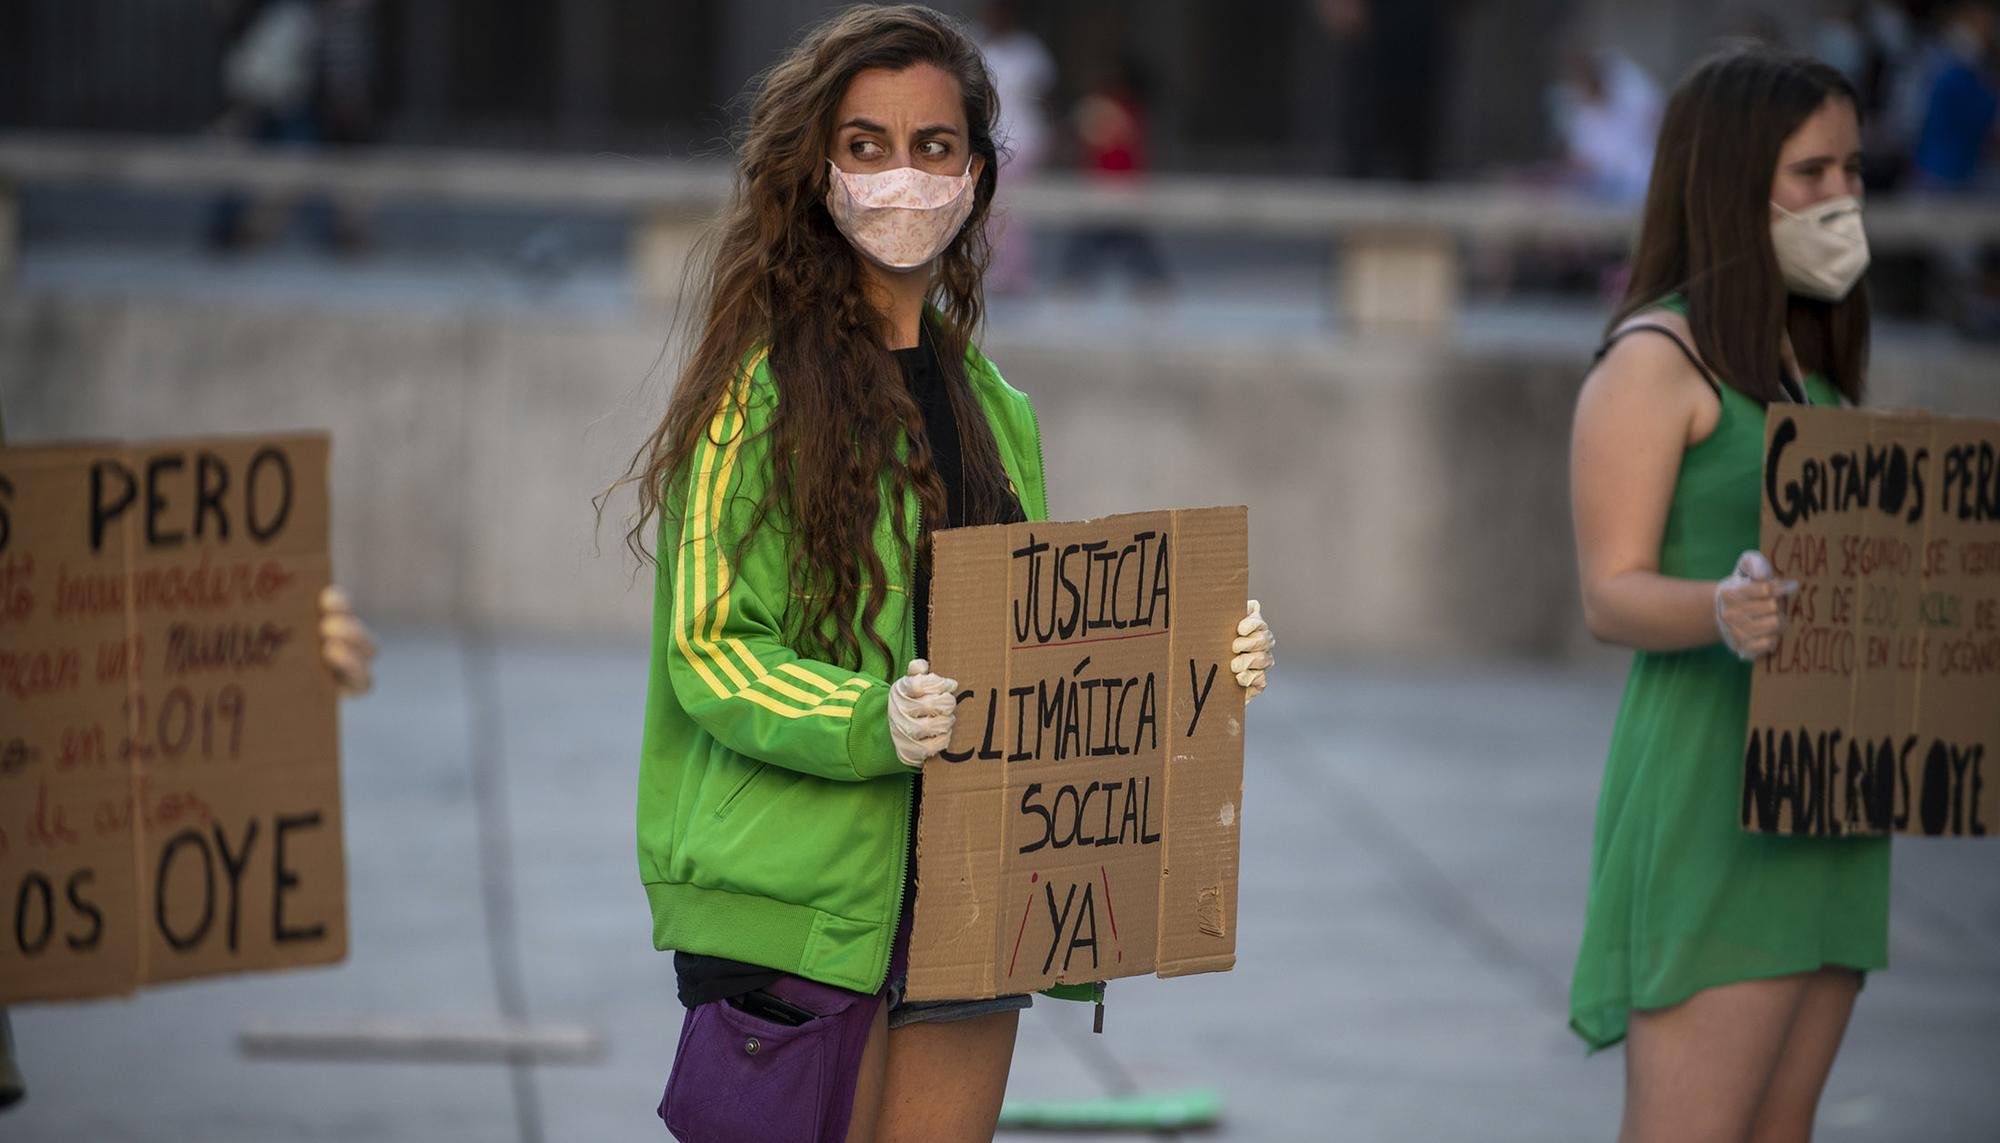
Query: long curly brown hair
(779, 274)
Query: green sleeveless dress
(1680, 898)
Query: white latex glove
(1253, 651)
(1750, 606)
(922, 710)
(345, 645)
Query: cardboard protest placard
(169, 762)
(1879, 711)
(1084, 823)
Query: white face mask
(1821, 250)
(900, 219)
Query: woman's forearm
(1648, 611)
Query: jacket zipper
(909, 787)
(1041, 461)
(909, 790)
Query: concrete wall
(1409, 498)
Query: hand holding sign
(345, 645)
(1252, 649)
(922, 712)
(1750, 606)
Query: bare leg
(1793, 1099)
(868, 1084)
(1698, 1072)
(945, 1081)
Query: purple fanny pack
(745, 1071)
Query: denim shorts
(902, 1012)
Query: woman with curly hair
(832, 416)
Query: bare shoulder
(1641, 349)
(1670, 319)
(1645, 374)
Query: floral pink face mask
(900, 219)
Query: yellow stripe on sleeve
(704, 509)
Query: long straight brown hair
(779, 274)
(1706, 230)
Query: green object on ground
(1176, 1111)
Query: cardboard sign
(169, 774)
(1084, 823)
(1880, 709)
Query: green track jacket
(774, 815)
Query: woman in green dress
(1727, 961)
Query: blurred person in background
(1023, 76)
(1956, 139)
(1872, 42)
(1606, 111)
(346, 103)
(267, 69)
(1730, 959)
(1884, 49)
(832, 415)
(298, 74)
(1603, 111)
(1393, 71)
(1110, 123)
(1954, 150)
(267, 74)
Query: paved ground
(1413, 883)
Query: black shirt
(927, 385)
(702, 979)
